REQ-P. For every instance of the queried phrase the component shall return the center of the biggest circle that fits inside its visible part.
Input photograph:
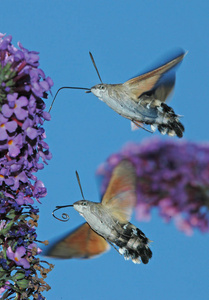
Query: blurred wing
(161, 79)
(120, 196)
(83, 242)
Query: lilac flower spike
(23, 152)
(17, 256)
(21, 115)
(172, 176)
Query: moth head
(99, 90)
(81, 206)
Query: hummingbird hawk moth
(107, 223)
(142, 98)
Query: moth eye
(84, 203)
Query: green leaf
(3, 275)
(23, 284)
(18, 276)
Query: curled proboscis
(65, 216)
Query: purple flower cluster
(18, 261)
(22, 115)
(23, 152)
(172, 176)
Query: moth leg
(139, 124)
(149, 104)
(114, 247)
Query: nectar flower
(23, 152)
(15, 106)
(22, 114)
(172, 176)
(17, 256)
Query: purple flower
(4, 288)
(39, 189)
(6, 128)
(34, 246)
(17, 256)
(21, 116)
(15, 106)
(14, 145)
(23, 152)
(172, 176)
(22, 199)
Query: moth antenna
(68, 87)
(93, 61)
(79, 183)
(65, 217)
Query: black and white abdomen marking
(133, 244)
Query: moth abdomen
(121, 243)
(133, 244)
(168, 121)
(142, 236)
(145, 253)
(127, 230)
(167, 108)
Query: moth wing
(120, 196)
(161, 80)
(83, 242)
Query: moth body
(116, 96)
(97, 217)
(146, 109)
(132, 242)
(107, 222)
(142, 98)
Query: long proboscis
(68, 87)
(65, 217)
(75, 87)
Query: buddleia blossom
(23, 152)
(172, 176)
(22, 144)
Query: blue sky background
(124, 37)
